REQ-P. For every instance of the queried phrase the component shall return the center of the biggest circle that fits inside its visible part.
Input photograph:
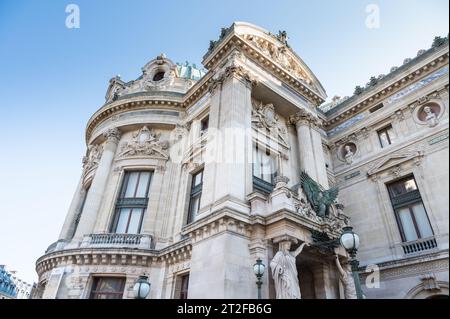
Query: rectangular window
(409, 209)
(386, 136)
(183, 286)
(265, 168)
(132, 202)
(107, 288)
(204, 125)
(195, 196)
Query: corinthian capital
(240, 73)
(112, 135)
(304, 118)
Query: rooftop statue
(319, 198)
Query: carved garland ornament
(146, 143)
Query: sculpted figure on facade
(284, 271)
(92, 158)
(319, 198)
(348, 154)
(431, 118)
(280, 55)
(346, 277)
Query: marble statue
(346, 276)
(431, 117)
(284, 271)
(348, 154)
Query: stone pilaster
(97, 189)
(228, 168)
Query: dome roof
(159, 75)
(189, 71)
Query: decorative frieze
(395, 90)
(147, 143)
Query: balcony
(418, 246)
(137, 241)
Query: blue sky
(53, 79)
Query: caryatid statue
(346, 276)
(284, 271)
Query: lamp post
(258, 269)
(350, 241)
(141, 288)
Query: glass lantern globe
(141, 288)
(259, 268)
(349, 240)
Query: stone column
(97, 189)
(302, 122)
(74, 209)
(321, 169)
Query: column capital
(304, 118)
(112, 135)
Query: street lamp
(350, 241)
(141, 288)
(258, 269)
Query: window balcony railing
(138, 241)
(417, 246)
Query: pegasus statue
(319, 198)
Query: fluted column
(97, 189)
(319, 156)
(74, 209)
(305, 144)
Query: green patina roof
(190, 71)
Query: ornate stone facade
(215, 160)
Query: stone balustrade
(138, 241)
(417, 246)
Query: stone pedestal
(222, 267)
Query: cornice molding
(274, 68)
(177, 252)
(384, 92)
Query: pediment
(271, 52)
(392, 161)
